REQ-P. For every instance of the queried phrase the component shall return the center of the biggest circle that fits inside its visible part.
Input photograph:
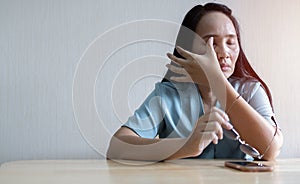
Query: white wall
(46, 44)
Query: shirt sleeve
(260, 102)
(147, 119)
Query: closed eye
(231, 42)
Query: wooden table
(183, 171)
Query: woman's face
(226, 46)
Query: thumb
(210, 43)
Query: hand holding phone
(249, 166)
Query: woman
(209, 89)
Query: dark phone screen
(249, 164)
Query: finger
(186, 54)
(212, 126)
(221, 112)
(216, 127)
(213, 115)
(210, 45)
(210, 42)
(207, 138)
(179, 61)
(175, 69)
(215, 138)
(216, 115)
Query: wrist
(223, 90)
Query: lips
(225, 67)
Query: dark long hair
(243, 69)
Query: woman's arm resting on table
(126, 144)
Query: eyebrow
(213, 35)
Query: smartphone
(249, 166)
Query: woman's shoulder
(247, 87)
(175, 86)
(176, 89)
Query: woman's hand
(207, 129)
(200, 69)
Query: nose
(222, 52)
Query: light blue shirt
(172, 109)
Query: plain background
(42, 41)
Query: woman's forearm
(137, 148)
(253, 128)
(126, 144)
